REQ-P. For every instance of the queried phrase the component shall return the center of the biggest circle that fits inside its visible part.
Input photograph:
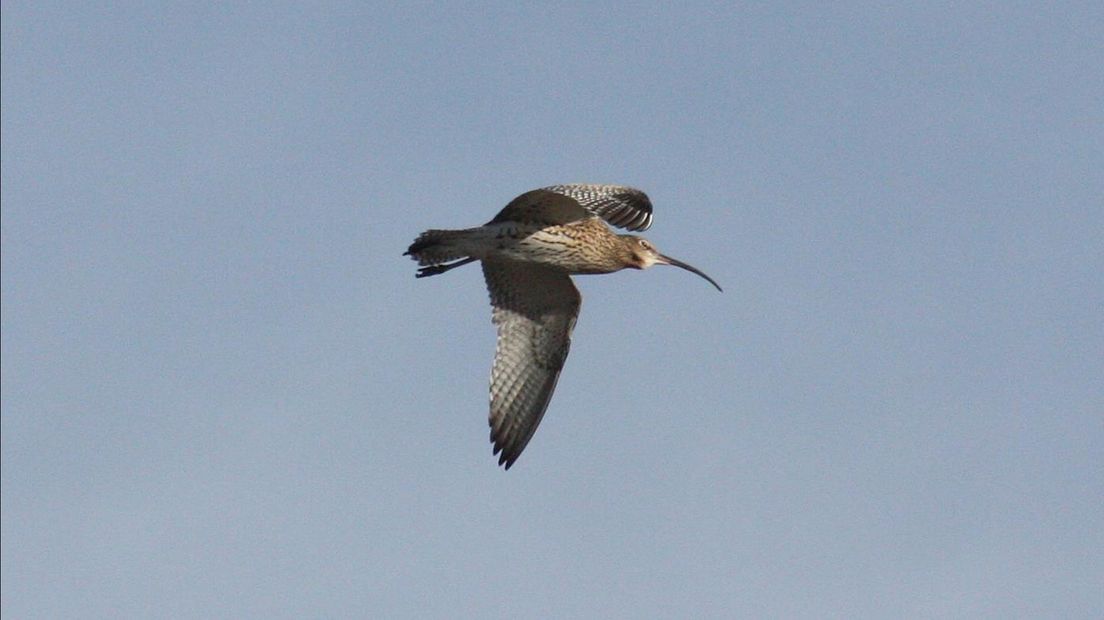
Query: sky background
(225, 394)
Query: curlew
(528, 252)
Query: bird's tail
(434, 247)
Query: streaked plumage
(528, 252)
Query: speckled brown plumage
(528, 251)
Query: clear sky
(226, 395)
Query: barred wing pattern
(621, 206)
(535, 308)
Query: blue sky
(225, 395)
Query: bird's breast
(571, 248)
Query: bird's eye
(644, 244)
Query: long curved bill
(667, 260)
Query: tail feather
(434, 247)
(433, 270)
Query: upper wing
(621, 206)
(542, 207)
(535, 308)
(624, 207)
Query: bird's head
(642, 254)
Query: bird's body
(581, 247)
(528, 252)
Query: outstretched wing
(543, 208)
(621, 206)
(624, 207)
(535, 308)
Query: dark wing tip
(507, 454)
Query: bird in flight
(529, 251)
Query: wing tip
(506, 456)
